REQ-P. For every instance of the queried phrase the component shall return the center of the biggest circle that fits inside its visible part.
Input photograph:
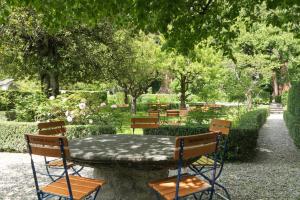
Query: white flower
(69, 119)
(52, 97)
(67, 113)
(82, 106)
(103, 104)
(63, 91)
(91, 121)
(114, 106)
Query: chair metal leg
(225, 190)
(96, 193)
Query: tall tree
(137, 65)
(70, 55)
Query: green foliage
(284, 98)
(293, 125)
(9, 98)
(176, 130)
(242, 139)
(74, 108)
(12, 133)
(199, 116)
(292, 115)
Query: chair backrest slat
(173, 113)
(52, 128)
(46, 125)
(47, 145)
(54, 131)
(145, 120)
(196, 145)
(49, 152)
(153, 113)
(47, 140)
(144, 125)
(218, 125)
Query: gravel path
(274, 174)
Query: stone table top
(127, 150)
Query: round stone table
(126, 162)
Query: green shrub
(293, 125)
(197, 116)
(8, 98)
(12, 133)
(176, 130)
(242, 139)
(292, 115)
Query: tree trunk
(50, 84)
(54, 84)
(133, 105)
(126, 99)
(183, 86)
(275, 85)
(249, 100)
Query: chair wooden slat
(81, 187)
(55, 131)
(188, 185)
(196, 145)
(46, 140)
(173, 113)
(48, 151)
(144, 125)
(46, 125)
(192, 140)
(194, 151)
(222, 126)
(145, 120)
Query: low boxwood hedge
(242, 137)
(12, 133)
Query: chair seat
(81, 187)
(188, 185)
(59, 163)
(205, 161)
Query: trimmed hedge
(12, 133)
(292, 115)
(293, 124)
(242, 138)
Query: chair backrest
(146, 122)
(183, 112)
(50, 146)
(173, 113)
(196, 145)
(153, 113)
(52, 128)
(218, 125)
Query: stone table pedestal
(126, 162)
(127, 183)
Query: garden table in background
(126, 162)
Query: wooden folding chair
(145, 122)
(56, 128)
(205, 164)
(153, 113)
(67, 187)
(183, 185)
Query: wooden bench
(145, 122)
